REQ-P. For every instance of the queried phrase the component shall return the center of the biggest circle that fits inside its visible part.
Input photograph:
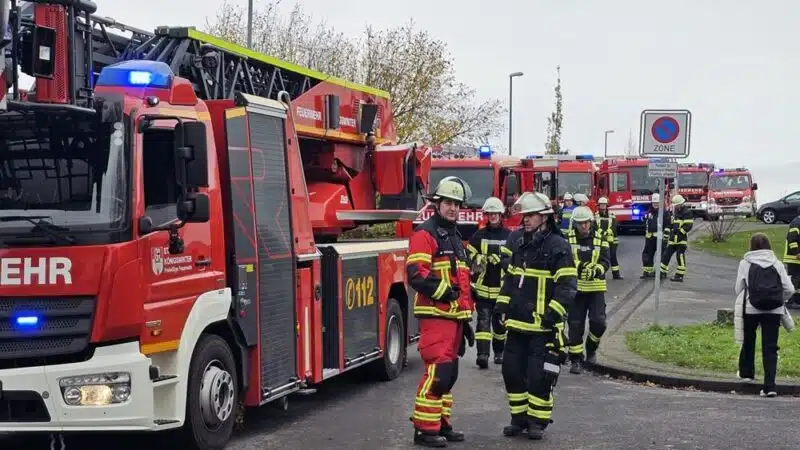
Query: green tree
(429, 103)
(556, 120)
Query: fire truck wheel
(394, 348)
(212, 394)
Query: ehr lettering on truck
(731, 192)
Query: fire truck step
(306, 391)
(164, 380)
(162, 422)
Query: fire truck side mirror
(511, 188)
(755, 186)
(192, 151)
(194, 209)
(39, 48)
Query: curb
(708, 385)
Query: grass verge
(708, 347)
(739, 243)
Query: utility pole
(250, 24)
(511, 77)
(605, 143)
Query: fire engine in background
(731, 192)
(556, 175)
(692, 184)
(167, 233)
(626, 184)
(488, 175)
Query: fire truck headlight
(97, 389)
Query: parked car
(783, 210)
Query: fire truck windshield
(641, 183)
(722, 182)
(692, 179)
(574, 182)
(68, 172)
(479, 179)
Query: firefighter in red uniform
(438, 269)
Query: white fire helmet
(493, 205)
(453, 188)
(655, 198)
(533, 202)
(567, 196)
(582, 214)
(581, 198)
(678, 200)
(602, 201)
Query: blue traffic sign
(665, 129)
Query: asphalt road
(591, 412)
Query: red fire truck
(626, 184)
(169, 204)
(731, 192)
(692, 184)
(488, 176)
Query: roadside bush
(722, 229)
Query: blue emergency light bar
(584, 157)
(27, 321)
(485, 152)
(145, 74)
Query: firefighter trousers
(438, 346)
(490, 329)
(649, 254)
(614, 261)
(529, 391)
(592, 304)
(679, 250)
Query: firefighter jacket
(486, 247)
(437, 268)
(592, 259)
(565, 217)
(540, 281)
(792, 248)
(651, 224)
(607, 224)
(682, 223)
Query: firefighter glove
(494, 259)
(469, 334)
(462, 347)
(586, 274)
(599, 271)
(452, 294)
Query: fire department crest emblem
(157, 261)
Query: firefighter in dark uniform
(537, 291)
(682, 222)
(607, 223)
(651, 236)
(438, 269)
(485, 249)
(590, 250)
(791, 258)
(565, 212)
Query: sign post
(664, 137)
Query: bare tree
(631, 147)
(556, 119)
(429, 103)
(722, 228)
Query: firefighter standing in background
(650, 236)
(438, 269)
(607, 223)
(538, 288)
(791, 258)
(580, 200)
(565, 212)
(590, 250)
(485, 249)
(682, 222)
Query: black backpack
(765, 288)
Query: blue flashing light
(636, 211)
(152, 74)
(584, 157)
(485, 152)
(27, 321)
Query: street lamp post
(250, 24)
(605, 143)
(511, 77)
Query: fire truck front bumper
(111, 391)
(742, 209)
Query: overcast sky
(735, 65)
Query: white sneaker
(769, 394)
(746, 380)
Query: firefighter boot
(617, 275)
(428, 439)
(518, 426)
(575, 367)
(450, 434)
(482, 361)
(646, 275)
(535, 431)
(591, 357)
(677, 277)
(498, 359)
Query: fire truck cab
(626, 184)
(692, 184)
(731, 192)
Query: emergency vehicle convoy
(169, 206)
(692, 184)
(731, 192)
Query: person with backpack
(762, 288)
